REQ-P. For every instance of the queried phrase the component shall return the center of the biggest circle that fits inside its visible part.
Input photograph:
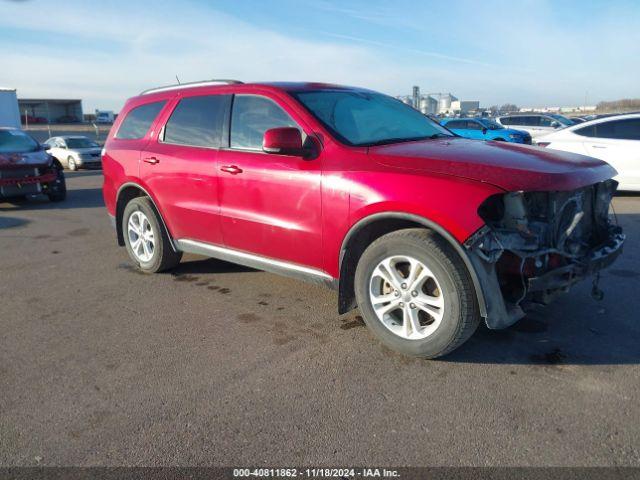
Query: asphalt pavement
(216, 364)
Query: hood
(509, 166)
(18, 160)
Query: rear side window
(456, 124)
(139, 120)
(587, 131)
(471, 125)
(198, 121)
(251, 117)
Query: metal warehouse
(53, 110)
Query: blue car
(485, 129)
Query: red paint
(300, 209)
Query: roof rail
(190, 84)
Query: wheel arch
(127, 192)
(371, 227)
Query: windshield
(80, 143)
(16, 141)
(368, 118)
(491, 125)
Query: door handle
(598, 146)
(232, 169)
(151, 160)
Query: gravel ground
(215, 364)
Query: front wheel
(57, 190)
(415, 293)
(146, 240)
(71, 163)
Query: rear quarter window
(138, 121)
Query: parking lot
(215, 364)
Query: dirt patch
(357, 321)
(553, 357)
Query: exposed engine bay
(536, 245)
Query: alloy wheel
(406, 297)
(141, 236)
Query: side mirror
(45, 146)
(283, 141)
(484, 131)
(555, 124)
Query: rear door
(179, 166)
(475, 130)
(270, 204)
(617, 142)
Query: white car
(74, 152)
(535, 124)
(616, 140)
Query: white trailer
(104, 116)
(9, 112)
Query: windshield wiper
(388, 141)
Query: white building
(465, 106)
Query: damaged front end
(536, 245)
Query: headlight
(515, 137)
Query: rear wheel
(71, 163)
(146, 240)
(415, 293)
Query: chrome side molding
(256, 261)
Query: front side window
(16, 141)
(253, 115)
(547, 121)
(361, 118)
(471, 125)
(197, 121)
(628, 129)
(491, 125)
(139, 120)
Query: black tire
(461, 316)
(71, 163)
(164, 257)
(57, 190)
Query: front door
(179, 167)
(270, 204)
(617, 142)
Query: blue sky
(529, 52)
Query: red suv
(424, 231)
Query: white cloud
(120, 51)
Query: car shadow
(76, 198)
(207, 266)
(11, 222)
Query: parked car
(485, 129)
(27, 169)
(614, 139)
(577, 120)
(67, 119)
(30, 120)
(424, 231)
(535, 124)
(75, 151)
